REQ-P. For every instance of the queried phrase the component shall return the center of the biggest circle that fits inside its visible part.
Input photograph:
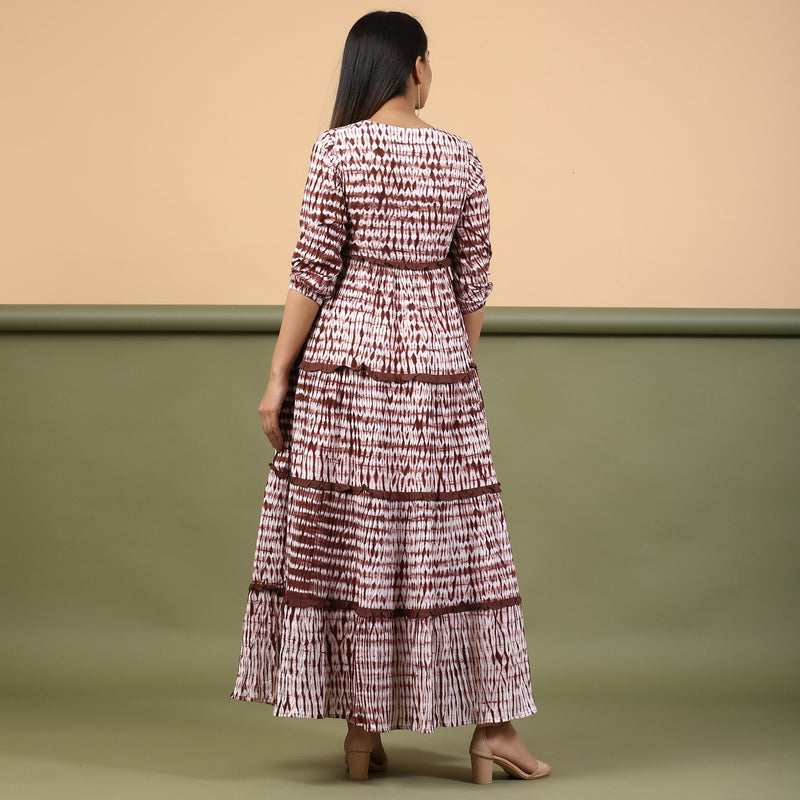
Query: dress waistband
(397, 263)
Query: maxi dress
(384, 589)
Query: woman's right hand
(269, 408)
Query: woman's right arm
(473, 323)
(471, 252)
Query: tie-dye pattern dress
(384, 589)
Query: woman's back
(386, 210)
(403, 188)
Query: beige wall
(638, 153)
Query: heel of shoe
(481, 769)
(358, 765)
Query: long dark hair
(379, 54)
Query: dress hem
(360, 720)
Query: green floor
(650, 485)
(200, 746)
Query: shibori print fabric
(384, 589)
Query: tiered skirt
(384, 589)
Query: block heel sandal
(483, 760)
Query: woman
(384, 590)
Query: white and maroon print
(384, 589)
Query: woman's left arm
(316, 263)
(298, 317)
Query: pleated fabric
(384, 589)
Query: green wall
(650, 465)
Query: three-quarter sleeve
(317, 257)
(471, 250)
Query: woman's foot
(360, 739)
(505, 742)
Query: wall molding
(517, 320)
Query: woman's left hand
(269, 408)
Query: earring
(419, 100)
